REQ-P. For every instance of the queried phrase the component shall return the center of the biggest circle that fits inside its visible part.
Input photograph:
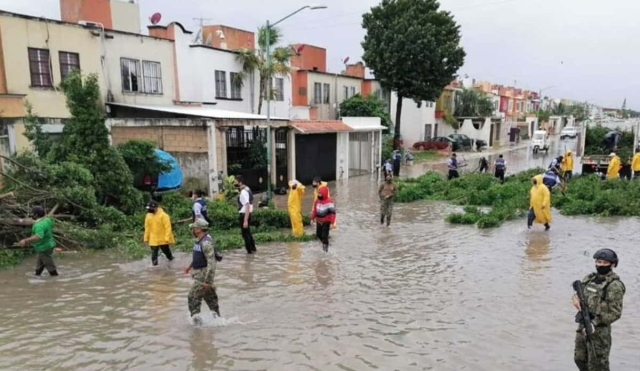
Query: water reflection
(204, 353)
(537, 247)
(293, 264)
(323, 271)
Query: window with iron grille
(317, 93)
(326, 93)
(152, 75)
(236, 85)
(69, 62)
(40, 67)
(130, 71)
(278, 89)
(221, 84)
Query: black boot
(547, 226)
(382, 219)
(325, 247)
(53, 273)
(39, 271)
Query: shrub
(430, 146)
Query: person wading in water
(42, 241)
(203, 270)
(324, 214)
(386, 192)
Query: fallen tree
(487, 203)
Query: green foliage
(543, 115)
(580, 112)
(594, 145)
(369, 106)
(229, 191)
(258, 153)
(387, 148)
(559, 110)
(585, 195)
(450, 120)
(85, 141)
(140, 157)
(41, 142)
(413, 48)
(268, 65)
(472, 103)
(10, 257)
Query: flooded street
(422, 295)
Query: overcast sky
(586, 49)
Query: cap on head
(38, 211)
(199, 224)
(612, 154)
(608, 255)
(152, 205)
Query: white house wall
(141, 48)
(483, 133)
(197, 79)
(342, 156)
(413, 119)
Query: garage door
(315, 156)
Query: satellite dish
(155, 18)
(299, 48)
(345, 60)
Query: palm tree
(276, 64)
(559, 110)
(472, 103)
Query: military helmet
(608, 255)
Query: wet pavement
(421, 295)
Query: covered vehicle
(169, 180)
(540, 141)
(463, 141)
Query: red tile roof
(320, 126)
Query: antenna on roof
(197, 39)
(155, 18)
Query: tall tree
(268, 66)
(472, 103)
(559, 110)
(413, 48)
(85, 140)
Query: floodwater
(422, 295)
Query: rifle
(584, 318)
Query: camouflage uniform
(386, 203)
(604, 300)
(204, 275)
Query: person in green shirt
(42, 241)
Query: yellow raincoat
(294, 206)
(541, 201)
(614, 168)
(567, 161)
(635, 163)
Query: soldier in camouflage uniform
(203, 269)
(386, 192)
(603, 292)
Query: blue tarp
(173, 178)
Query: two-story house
(36, 54)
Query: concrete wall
(26, 33)
(342, 156)
(125, 16)
(141, 48)
(327, 111)
(194, 143)
(196, 66)
(413, 120)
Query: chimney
(120, 15)
(309, 57)
(355, 70)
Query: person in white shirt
(199, 209)
(245, 208)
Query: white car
(569, 132)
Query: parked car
(430, 145)
(540, 141)
(464, 141)
(454, 144)
(569, 132)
